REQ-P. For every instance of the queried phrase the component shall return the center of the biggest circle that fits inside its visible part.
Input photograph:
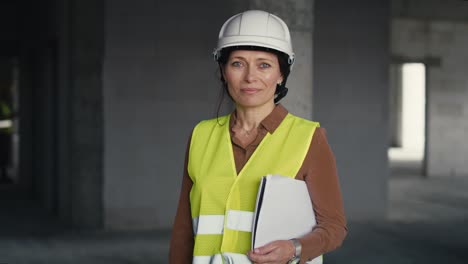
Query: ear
(280, 80)
(221, 69)
(223, 73)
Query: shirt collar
(274, 119)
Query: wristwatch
(297, 254)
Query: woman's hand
(276, 252)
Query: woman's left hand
(276, 252)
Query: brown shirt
(318, 171)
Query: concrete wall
(453, 10)
(10, 37)
(435, 32)
(351, 58)
(445, 42)
(58, 48)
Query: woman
(227, 156)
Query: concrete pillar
(80, 106)
(351, 60)
(298, 14)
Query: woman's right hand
(276, 252)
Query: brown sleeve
(319, 173)
(181, 246)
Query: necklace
(239, 128)
(247, 132)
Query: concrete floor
(427, 223)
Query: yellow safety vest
(222, 201)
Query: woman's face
(252, 76)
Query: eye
(265, 65)
(236, 64)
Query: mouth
(249, 90)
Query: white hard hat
(255, 28)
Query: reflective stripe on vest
(224, 258)
(222, 202)
(233, 258)
(214, 224)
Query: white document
(283, 211)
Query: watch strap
(297, 250)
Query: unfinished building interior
(98, 99)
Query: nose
(251, 73)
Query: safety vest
(222, 201)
